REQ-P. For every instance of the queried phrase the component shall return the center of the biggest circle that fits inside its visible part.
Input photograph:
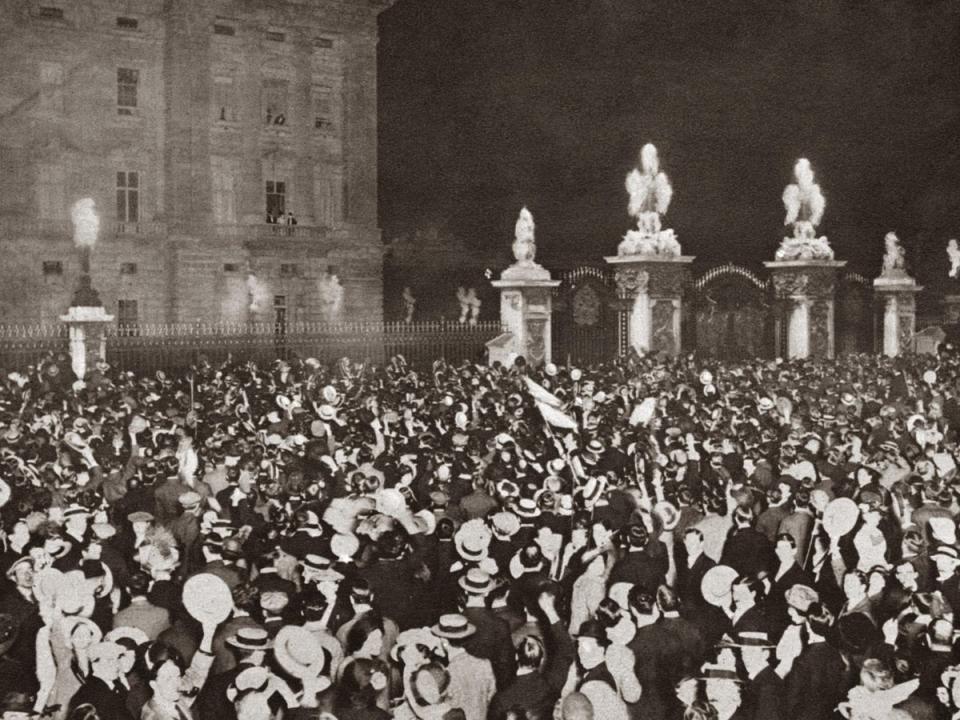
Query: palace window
(50, 12)
(128, 315)
(128, 268)
(323, 113)
(276, 36)
(222, 27)
(52, 267)
(128, 81)
(288, 270)
(276, 199)
(128, 196)
(224, 99)
(51, 86)
(274, 98)
(127, 23)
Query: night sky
(486, 105)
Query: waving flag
(556, 417)
(542, 395)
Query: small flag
(556, 417)
(643, 413)
(541, 394)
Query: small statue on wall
(409, 304)
(469, 305)
(650, 194)
(953, 252)
(894, 260)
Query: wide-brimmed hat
(207, 598)
(125, 632)
(299, 654)
(250, 638)
(505, 525)
(70, 624)
(527, 508)
(454, 627)
(716, 585)
(477, 582)
(472, 540)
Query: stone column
(896, 301)
(525, 307)
(806, 290)
(650, 291)
(88, 342)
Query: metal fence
(150, 347)
(23, 345)
(146, 348)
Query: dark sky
(486, 105)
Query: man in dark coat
(530, 691)
(492, 640)
(643, 566)
(747, 550)
(764, 692)
(100, 688)
(817, 681)
(690, 574)
(18, 601)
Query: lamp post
(86, 316)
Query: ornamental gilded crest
(586, 306)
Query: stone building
(188, 122)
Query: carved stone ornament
(586, 306)
(788, 284)
(632, 281)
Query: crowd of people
(652, 539)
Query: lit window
(128, 81)
(276, 200)
(128, 196)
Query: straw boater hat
(299, 654)
(250, 638)
(472, 540)
(477, 582)
(453, 627)
(716, 585)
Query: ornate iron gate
(585, 317)
(730, 312)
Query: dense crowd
(647, 540)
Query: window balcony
(269, 231)
(140, 228)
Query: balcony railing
(269, 231)
(141, 228)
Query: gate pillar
(650, 291)
(805, 290)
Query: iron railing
(26, 344)
(146, 348)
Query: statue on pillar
(953, 252)
(524, 243)
(409, 304)
(650, 194)
(894, 258)
(805, 204)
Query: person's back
(815, 683)
(472, 684)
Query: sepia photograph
(479, 359)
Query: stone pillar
(88, 342)
(650, 292)
(805, 293)
(525, 307)
(897, 310)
